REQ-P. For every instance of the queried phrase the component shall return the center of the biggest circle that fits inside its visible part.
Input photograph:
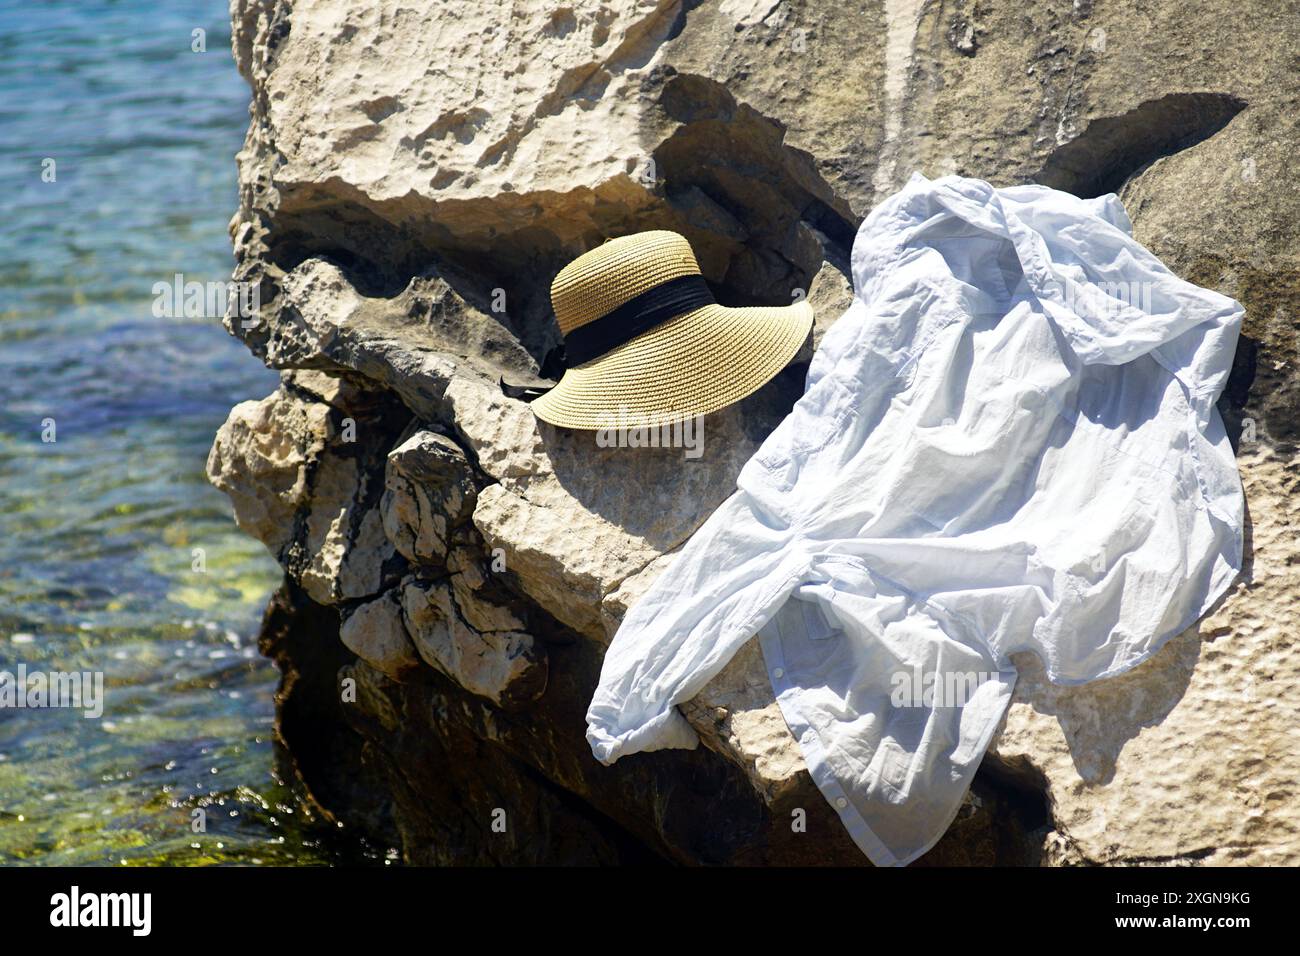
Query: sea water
(118, 129)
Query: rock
(737, 715)
(450, 764)
(411, 344)
(428, 491)
(375, 632)
(344, 553)
(261, 459)
(557, 492)
(415, 175)
(302, 479)
(618, 601)
(327, 757)
(830, 295)
(490, 657)
(349, 395)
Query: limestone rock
(411, 343)
(830, 295)
(345, 547)
(302, 480)
(428, 490)
(574, 519)
(350, 395)
(621, 599)
(261, 458)
(498, 662)
(375, 632)
(737, 715)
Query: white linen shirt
(1007, 443)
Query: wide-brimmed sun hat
(646, 344)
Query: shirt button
(778, 673)
(841, 802)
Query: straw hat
(645, 344)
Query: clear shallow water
(97, 528)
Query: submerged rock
(463, 566)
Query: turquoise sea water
(98, 528)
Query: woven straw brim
(693, 364)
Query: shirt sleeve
(684, 630)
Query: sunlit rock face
(413, 177)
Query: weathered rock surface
(260, 459)
(571, 519)
(413, 177)
(376, 633)
(479, 645)
(428, 492)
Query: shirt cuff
(662, 732)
